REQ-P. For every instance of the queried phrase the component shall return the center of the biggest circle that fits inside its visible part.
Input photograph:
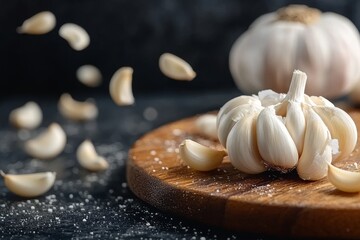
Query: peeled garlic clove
(343, 180)
(175, 67)
(29, 116)
(199, 157)
(40, 23)
(76, 110)
(29, 185)
(89, 159)
(48, 144)
(206, 125)
(228, 120)
(120, 87)
(89, 75)
(341, 127)
(275, 144)
(317, 151)
(242, 146)
(75, 35)
(295, 124)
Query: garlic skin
(75, 35)
(28, 116)
(29, 185)
(297, 131)
(176, 68)
(48, 144)
(89, 75)
(89, 159)
(40, 23)
(343, 180)
(76, 110)
(324, 45)
(120, 87)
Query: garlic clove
(88, 157)
(76, 110)
(343, 180)
(176, 68)
(206, 125)
(120, 87)
(317, 151)
(242, 146)
(228, 120)
(48, 144)
(75, 35)
(295, 124)
(199, 157)
(29, 185)
(275, 144)
(341, 126)
(28, 116)
(40, 23)
(89, 75)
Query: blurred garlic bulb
(324, 45)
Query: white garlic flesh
(76, 110)
(49, 144)
(40, 23)
(29, 185)
(120, 87)
(29, 116)
(76, 36)
(89, 75)
(344, 180)
(176, 68)
(88, 157)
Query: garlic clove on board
(176, 68)
(276, 146)
(29, 185)
(40, 23)
(88, 157)
(199, 157)
(28, 116)
(48, 144)
(317, 151)
(120, 87)
(343, 180)
(243, 149)
(76, 110)
(89, 75)
(206, 125)
(75, 35)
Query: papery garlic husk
(242, 146)
(28, 116)
(343, 180)
(40, 23)
(200, 157)
(206, 125)
(88, 157)
(29, 185)
(317, 151)
(275, 144)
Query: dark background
(131, 33)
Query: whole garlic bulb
(297, 131)
(324, 45)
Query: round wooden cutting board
(272, 203)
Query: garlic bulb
(324, 45)
(297, 131)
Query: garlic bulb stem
(297, 87)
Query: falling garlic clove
(199, 157)
(76, 110)
(120, 87)
(206, 125)
(48, 144)
(89, 75)
(317, 151)
(343, 180)
(40, 23)
(75, 35)
(89, 159)
(176, 68)
(29, 116)
(29, 185)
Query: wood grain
(272, 203)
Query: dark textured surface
(97, 205)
